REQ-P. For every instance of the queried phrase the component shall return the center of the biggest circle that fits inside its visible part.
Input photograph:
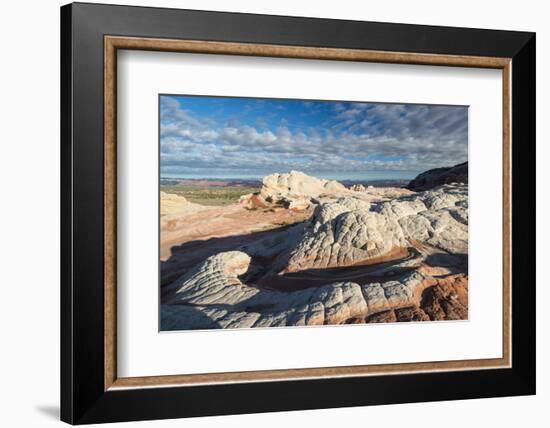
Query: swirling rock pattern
(237, 289)
(213, 296)
(348, 231)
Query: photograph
(263, 211)
(297, 212)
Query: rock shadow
(189, 254)
(455, 263)
(172, 317)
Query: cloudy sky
(217, 137)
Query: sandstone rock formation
(174, 205)
(293, 190)
(350, 231)
(174, 210)
(358, 188)
(213, 296)
(438, 176)
(252, 201)
(357, 259)
(296, 183)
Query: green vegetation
(210, 195)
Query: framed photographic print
(265, 213)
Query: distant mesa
(438, 176)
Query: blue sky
(218, 137)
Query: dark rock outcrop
(438, 176)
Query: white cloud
(359, 137)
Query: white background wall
(29, 211)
